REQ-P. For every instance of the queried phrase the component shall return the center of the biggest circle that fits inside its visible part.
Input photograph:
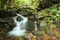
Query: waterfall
(35, 25)
(19, 30)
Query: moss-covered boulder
(30, 25)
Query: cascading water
(35, 25)
(19, 30)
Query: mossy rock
(43, 23)
(30, 25)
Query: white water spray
(19, 30)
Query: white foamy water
(19, 30)
(35, 25)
